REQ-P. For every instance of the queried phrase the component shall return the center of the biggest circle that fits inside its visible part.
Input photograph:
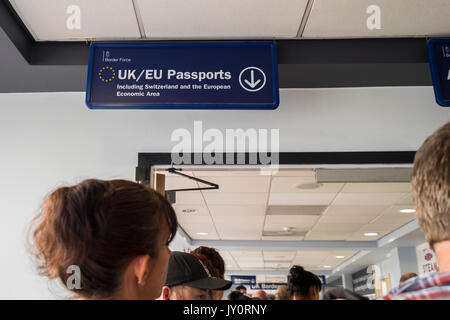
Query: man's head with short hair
(407, 276)
(261, 294)
(431, 186)
(242, 289)
(188, 279)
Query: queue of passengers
(118, 233)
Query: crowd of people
(118, 233)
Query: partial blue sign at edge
(243, 75)
(439, 60)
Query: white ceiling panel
(317, 255)
(345, 253)
(277, 265)
(242, 210)
(253, 266)
(229, 235)
(301, 198)
(217, 18)
(348, 18)
(284, 238)
(299, 223)
(227, 173)
(302, 185)
(189, 197)
(406, 200)
(337, 227)
(191, 210)
(242, 227)
(295, 173)
(198, 224)
(359, 236)
(236, 198)
(227, 257)
(337, 219)
(177, 182)
(240, 184)
(279, 255)
(328, 235)
(395, 211)
(99, 19)
(367, 199)
(376, 187)
(358, 211)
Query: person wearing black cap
(188, 279)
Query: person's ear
(165, 293)
(140, 268)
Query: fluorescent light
(407, 210)
(392, 240)
(202, 233)
(340, 257)
(327, 267)
(370, 234)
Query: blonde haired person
(431, 190)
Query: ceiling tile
(311, 255)
(328, 235)
(395, 211)
(189, 197)
(229, 235)
(368, 199)
(338, 219)
(302, 185)
(239, 184)
(284, 238)
(191, 210)
(295, 173)
(227, 173)
(336, 227)
(194, 224)
(376, 187)
(174, 182)
(278, 255)
(242, 227)
(100, 19)
(220, 19)
(299, 223)
(348, 18)
(246, 254)
(301, 198)
(277, 265)
(236, 198)
(406, 200)
(236, 210)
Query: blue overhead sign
(439, 57)
(183, 75)
(242, 280)
(323, 279)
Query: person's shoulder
(427, 286)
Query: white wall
(51, 139)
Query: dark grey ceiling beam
(302, 63)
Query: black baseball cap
(186, 269)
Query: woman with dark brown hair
(115, 233)
(215, 265)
